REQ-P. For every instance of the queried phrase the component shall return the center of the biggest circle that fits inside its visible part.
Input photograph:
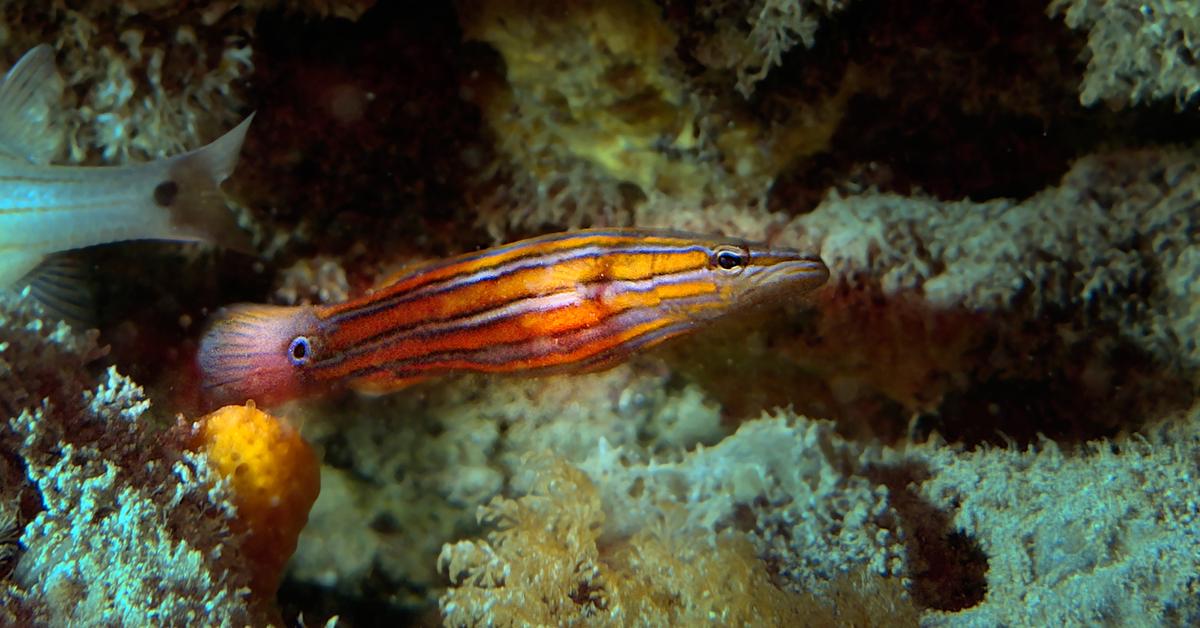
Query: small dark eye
(730, 260)
(299, 351)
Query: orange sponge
(275, 478)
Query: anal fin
(382, 383)
(15, 264)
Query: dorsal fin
(404, 271)
(27, 96)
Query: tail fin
(246, 353)
(190, 190)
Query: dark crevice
(947, 567)
(956, 100)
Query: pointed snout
(788, 271)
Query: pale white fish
(46, 209)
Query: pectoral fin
(63, 285)
(15, 264)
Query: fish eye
(300, 351)
(729, 259)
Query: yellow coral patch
(274, 476)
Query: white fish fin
(15, 264)
(190, 191)
(28, 95)
(63, 285)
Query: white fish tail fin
(28, 96)
(190, 190)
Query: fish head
(748, 273)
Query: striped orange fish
(561, 303)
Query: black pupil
(728, 260)
(299, 349)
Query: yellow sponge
(275, 478)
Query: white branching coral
(127, 530)
(1138, 51)
(117, 396)
(753, 39)
(87, 505)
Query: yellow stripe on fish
(568, 302)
